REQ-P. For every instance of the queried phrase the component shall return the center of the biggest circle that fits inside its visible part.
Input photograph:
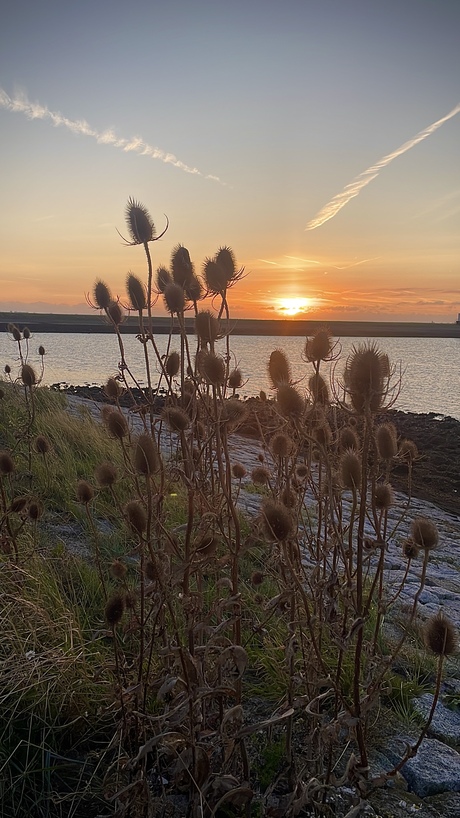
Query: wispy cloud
(350, 191)
(33, 110)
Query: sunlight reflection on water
(430, 366)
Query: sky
(319, 139)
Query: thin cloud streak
(350, 191)
(33, 110)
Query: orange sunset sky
(319, 139)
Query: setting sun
(292, 306)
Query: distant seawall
(37, 323)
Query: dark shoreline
(436, 472)
(37, 322)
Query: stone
(446, 722)
(435, 769)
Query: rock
(446, 723)
(435, 769)
(447, 804)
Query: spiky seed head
(193, 289)
(146, 456)
(181, 265)
(410, 549)
(35, 510)
(174, 298)
(281, 445)
(262, 396)
(18, 504)
(302, 471)
(257, 578)
(408, 450)
(41, 350)
(260, 476)
(323, 434)
(115, 313)
(279, 370)
(117, 424)
(235, 379)
(365, 378)
(137, 516)
(440, 635)
(350, 470)
(106, 474)
(261, 457)
(384, 496)
(114, 609)
(386, 440)
(118, 569)
(6, 463)
(234, 412)
(101, 295)
(136, 292)
(13, 329)
(163, 278)
(318, 388)
(26, 333)
(212, 368)
(112, 389)
(238, 471)
(85, 492)
(319, 347)
(289, 400)
(172, 364)
(225, 258)
(176, 418)
(206, 326)
(288, 497)
(41, 444)
(424, 533)
(139, 223)
(277, 521)
(215, 277)
(28, 376)
(7, 369)
(348, 438)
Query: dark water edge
(37, 322)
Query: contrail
(33, 110)
(350, 191)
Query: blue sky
(286, 103)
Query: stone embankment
(431, 781)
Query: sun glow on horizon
(293, 306)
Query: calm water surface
(430, 367)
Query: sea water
(428, 369)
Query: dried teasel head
(26, 333)
(302, 471)
(215, 277)
(35, 510)
(181, 266)
(28, 376)
(41, 445)
(239, 471)
(410, 549)
(281, 445)
(176, 418)
(234, 413)
(106, 474)
(225, 258)
(319, 347)
(118, 569)
(350, 470)
(136, 292)
(174, 298)
(117, 424)
(440, 635)
(260, 476)
(384, 496)
(15, 332)
(318, 389)
(386, 440)
(288, 497)
(137, 516)
(206, 326)
(139, 223)
(424, 533)
(172, 364)
(235, 379)
(366, 378)
(146, 455)
(41, 350)
(85, 492)
(113, 389)
(289, 401)
(323, 434)
(408, 450)
(114, 609)
(193, 289)
(115, 313)
(279, 370)
(348, 438)
(257, 578)
(101, 295)
(163, 278)
(277, 521)
(212, 368)
(6, 463)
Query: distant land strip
(38, 322)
